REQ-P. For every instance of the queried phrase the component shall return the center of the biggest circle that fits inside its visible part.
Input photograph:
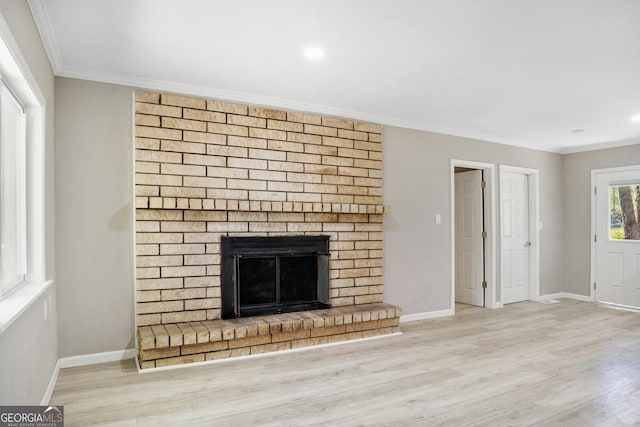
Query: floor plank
(572, 364)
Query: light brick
(207, 138)
(284, 125)
(183, 192)
(175, 169)
(240, 141)
(320, 130)
(184, 124)
(227, 129)
(158, 110)
(246, 163)
(196, 159)
(183, 147)
(304, 118)
(267, 175)
(214, 193)
(267, 154)
(185, 271)
(226, 107)
(207, 182)
(267, 133)
(160, 133)
(286, 166)
(205, 116)
(182, 101)
(246, 121)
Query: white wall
(417, 274)
(577, 214)
(28, 348)
(94, 217)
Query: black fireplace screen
(265, 275)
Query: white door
(514, 218)
(617, 255)
(468, 238)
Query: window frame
(20, 177)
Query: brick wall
(207, 168)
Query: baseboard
(92, 359)
(82, 360)
(52, 384)
(566, 295)
(426, 315)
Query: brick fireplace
(206, 169)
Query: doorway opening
(473, 234)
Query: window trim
(19, 77)
(21, 178)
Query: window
(624, 212)
(13, 236)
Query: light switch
(438, 219)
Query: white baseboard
(92, 359)
(426, 315)
(52, 384)
(566, 295)
(83, 360)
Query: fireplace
(267, 275)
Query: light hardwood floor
(570, 364)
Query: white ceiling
(519, 72)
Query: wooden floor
(570, 364)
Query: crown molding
(43, 24)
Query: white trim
(534, 226)
(46, 397)
(92, 359)
(84, 360)
(565, 295)
(18, 301)
(490, 212)
(260, 355)
(426, 315)
(619, 307)
(43, 24)
(45, 28)
(600, 146)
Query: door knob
(527, 244)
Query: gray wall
(28, 348)
(94, 217)
(417, 274)
(577, 215)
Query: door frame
(534, 228)
(594, 173)
(490, 227)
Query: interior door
(617, 250)
(514, 218)
(468, 238)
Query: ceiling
(517, 72)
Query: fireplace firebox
(267, 275)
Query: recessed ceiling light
(577, 131)
(314, 52)
(635, 118)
